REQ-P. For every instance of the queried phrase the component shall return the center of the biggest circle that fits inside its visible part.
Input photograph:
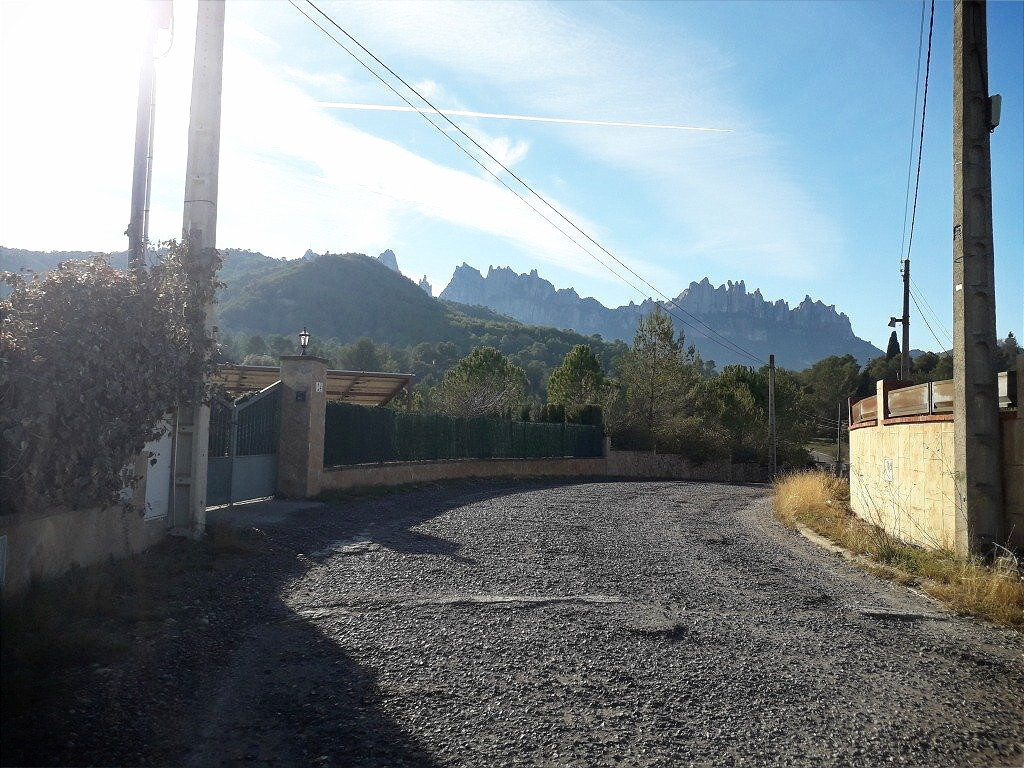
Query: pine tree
(893, 350)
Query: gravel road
(598, 624)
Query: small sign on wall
(887, 470)
(319, 387)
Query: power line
(721, 340)
(924, 111)
(491, 172)
(942, 347)
(913, 123)
(935, 316)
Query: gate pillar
(300, 447)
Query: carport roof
(359, 387)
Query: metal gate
(242, 461)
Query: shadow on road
(217, 670)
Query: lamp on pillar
(303, 340)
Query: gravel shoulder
(594, 624)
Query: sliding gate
(243, 448)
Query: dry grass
(821, 502)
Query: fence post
(300, 450)
(232, 452)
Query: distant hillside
(342, 296)
(798, 337)
(348, 296)
(18, 259)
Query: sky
(804, 193)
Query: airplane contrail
(530, 118)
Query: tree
(1007, 352)
(578, 382)
(829, 383)
(255, 345)
(656, 376)
(483, 383)
(362, 356)
(893, 350)
(877, 369)
(260, 360)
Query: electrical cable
(913, 125)
(935, 316)
(721, 340)
(924, 111)
(485, 168)
(942, 347)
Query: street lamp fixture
(303, 340)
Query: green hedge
(360, 435)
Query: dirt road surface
(596, 624)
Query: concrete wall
(50, 542)
(641, 464)
(45, 545)
(901, 479)
(403, 473)
(1013, 472)
(628, 464)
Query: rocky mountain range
(261, 294)
(798, 336)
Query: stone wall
(45, 545)
(404, 473)
(642, 464)
(1013, 472)
(901, 479)
(620, 464)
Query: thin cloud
(527, 118)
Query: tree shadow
(218, 670)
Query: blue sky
(804, 195)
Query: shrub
(93, 359)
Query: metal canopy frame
(360, 387)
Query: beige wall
(403, 473)
(915, 500)
(631, 464)
(46, 545)
(670, 466)
(901, 478)
(1013, 475)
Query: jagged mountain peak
(798, 337)
(389, 260)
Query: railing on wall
(864, 410)
(931, 398)
(356, 434)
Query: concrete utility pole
(905, 356)
(159, 17)
(905, 321)
(978, 481)
(199, 231)
(839, 438)
(772, 437)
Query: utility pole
(976, 440)
(138, 226)
(839, 438)
(199, 230)
(772, 437)
(905, 357)
(905, 322)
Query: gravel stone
(536, 624)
